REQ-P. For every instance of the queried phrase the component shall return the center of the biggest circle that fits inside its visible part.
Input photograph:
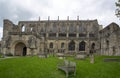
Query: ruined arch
(93, 46)
(20, 49)
(23, 28)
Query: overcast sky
(19, 10)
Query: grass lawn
(0, 55)
(35, 67)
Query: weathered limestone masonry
(110, 40)
(53, 36)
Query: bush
(0, 55)
(9, 54)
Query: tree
(117, 12)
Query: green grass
(0, 55)
(35, 67)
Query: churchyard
(36, 67)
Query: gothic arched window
(54, 28)
(82, 46)
(107, 43)
(23, 28)
(62, 45)
(51, 45)
(93, 46)
(31, 29)
(43, 28)
(71, 46)
(62, 28)
(81, 29)
(71, 28)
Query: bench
(111, 60)
(68, 67)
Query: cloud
(17, 10)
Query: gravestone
(80, 55)
(92, 51)
(60, 55)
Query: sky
(25, 10)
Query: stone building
(53, 36)
(109, 39)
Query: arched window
(81, 29)
(51, 45)
(54, 28)
(62, 28)
(23, 28)
(71, 46)
(31, 29)
(107, 43)
(93, 46)
(62, 45)
(82, 46)
(71, 28)
(43, 28)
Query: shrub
(0, 55)
(9, 54)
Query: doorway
(20, 49)
(24, 51)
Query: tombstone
(92, 59)
(60, 55)
(80, 56)
(92, 56)
(43, 55)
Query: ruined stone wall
(37, 36)
(109, 40)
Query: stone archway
(24, 51)
(20, 49)
(93, 46)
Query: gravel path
(6, 58)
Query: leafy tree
(118, 9)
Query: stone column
(47, 35)
(57, 34)
(56, 46)
(77, 46)
(66, 46)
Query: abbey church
(60, 36)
